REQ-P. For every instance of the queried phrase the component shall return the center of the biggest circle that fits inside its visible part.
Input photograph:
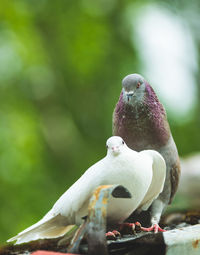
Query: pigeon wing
(64, 212)
(158, 178)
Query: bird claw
(125, 228)
(155, 228)
(112, 235)
(130, 228)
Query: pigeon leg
(156, 210)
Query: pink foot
(124, 228)
(112, 235)
(155, 228)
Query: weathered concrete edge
(183, 241)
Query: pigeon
(140, 119)
(136, 171)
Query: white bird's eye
(122, 142)
(106, 146)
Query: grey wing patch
(175, 176)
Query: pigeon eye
(107, 146)
(122, 142)
(138, 85)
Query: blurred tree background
(61, 66)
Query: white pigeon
(142, 173)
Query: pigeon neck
(141, 119)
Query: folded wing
(158, 179)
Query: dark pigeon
(140, 119)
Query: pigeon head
(115, 145)
(133, 87)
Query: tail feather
(46, 228)
(56, 232)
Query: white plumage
(142, 173)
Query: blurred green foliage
(61, 65)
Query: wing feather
(158, 179)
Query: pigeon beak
(115, 150)
(129, 95)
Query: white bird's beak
(115, 150)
